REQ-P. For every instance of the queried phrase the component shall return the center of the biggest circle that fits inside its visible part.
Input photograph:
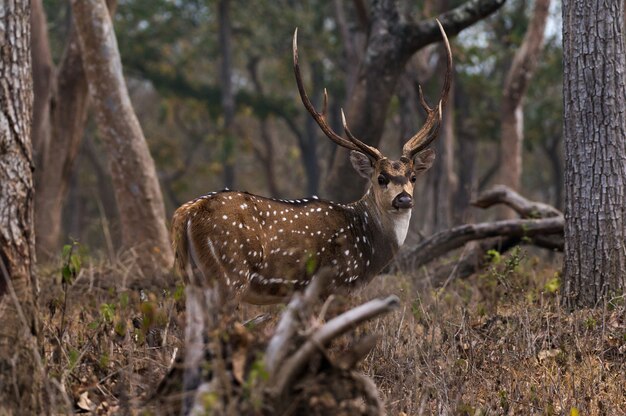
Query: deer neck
(390, 226)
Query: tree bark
(21, 378)
(515, 87)
(391, 42)
(594, 98)
(137, 192)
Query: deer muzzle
(402, 201)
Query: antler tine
(368, 150)
(425, 136)
(320, 118)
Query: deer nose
(402, 201)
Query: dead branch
(201, 312)
(282, 341)
(331, 330)
(501, 194)
(540, 225)
(446, 241)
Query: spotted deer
(260, 249)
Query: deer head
(391, 181)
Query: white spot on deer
(225, 217)
(347, 252)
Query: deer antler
(424, 137)
(352, 143)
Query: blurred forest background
(496, 329)
(213, 87)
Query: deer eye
(382, 180)
(413, 178)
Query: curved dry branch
(282, 341)
(501, 194)
(331, 330)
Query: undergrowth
(497, 343)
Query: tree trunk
(21, 376)
(68, 106)
(594, 96)
(512, 111)
(466, 158)
(444, 175)
(228, 99)
(137, 192)
(391, 42)
(68, 116)
(308, 141)
(43, 71)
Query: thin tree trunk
(137, 192)
(228, 98)
(445, 177)
(68, 106)
(267, 155)
(21, 374)
(68, 116)
(43, 71)
(308, 142)
(594, 98)
(515, 87)
(555, 155)
(466, 158)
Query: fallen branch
(446, 241)
(282, 341)
(501, 194)
(540, 225)
(331, 330)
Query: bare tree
(515, 87)
(137, 192)
(392, 41)
(20, 377)
(594, 97)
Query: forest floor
(497, 343)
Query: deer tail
(180, 241)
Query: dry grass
(497, 343)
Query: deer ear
(361, 164)
(423, 160)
